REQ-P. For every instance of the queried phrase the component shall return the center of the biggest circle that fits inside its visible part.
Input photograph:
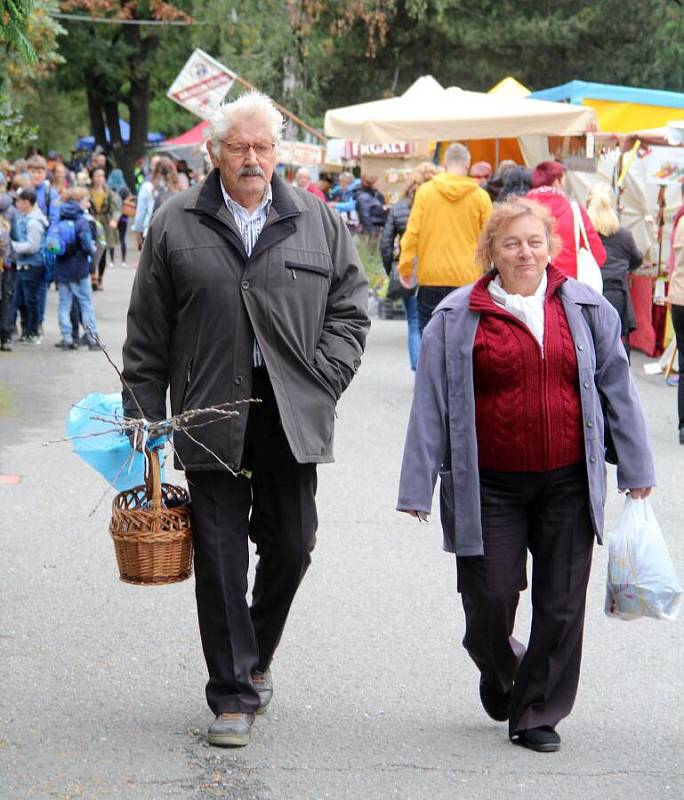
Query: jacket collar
(481, 300)
(207, 198)
(207, 201)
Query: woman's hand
(640, 494)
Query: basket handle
(153, 479)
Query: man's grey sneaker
(33, 339)
(230, 729)
(263, 683)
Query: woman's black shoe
(494, 702)
(543, 739)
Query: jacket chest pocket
(301, 267)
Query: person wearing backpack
(74, 249)
(48, 201)
(107, 207)
(28, 236)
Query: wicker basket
(152, 530)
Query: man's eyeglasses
(261, 149)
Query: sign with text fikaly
(201, 85)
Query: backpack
(61, 238)
(161, 195)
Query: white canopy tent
(426, 112)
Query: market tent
(509, 87)
(620, 109)
(195, 136)
(497, 150)
(426, 111)
(188, 146)
(88, 142)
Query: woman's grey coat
(441, 437)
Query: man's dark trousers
(547, 513)
(429, 297)
(7, 313)
(275, 508)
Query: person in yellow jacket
(442, 233)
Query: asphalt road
(103, 684)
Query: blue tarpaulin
(88, 142)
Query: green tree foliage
(14, 22)
(312, 55)
(28, 38)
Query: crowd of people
(427, 239)
(64, 223)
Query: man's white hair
(250, 104)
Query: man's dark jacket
(198, 302)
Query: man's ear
(210, 150)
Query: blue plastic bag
(110, 453)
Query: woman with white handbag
(581, 255)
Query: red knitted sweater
(527, 404)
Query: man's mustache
(251, 172)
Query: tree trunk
(138, 99)
(111, 111)
(97, 125)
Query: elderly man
(447, 216)
(246, 288)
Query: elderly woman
(507, 410)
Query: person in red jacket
(548, 183)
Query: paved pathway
(102, 683)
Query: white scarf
(529, 310)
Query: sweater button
(245, 284)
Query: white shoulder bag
(588, 271)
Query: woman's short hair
(546, 173)
(508, 212)
(250, 104)
(600, 210)
(424, 172)
(76, 193)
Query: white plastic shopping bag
(641, 578)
